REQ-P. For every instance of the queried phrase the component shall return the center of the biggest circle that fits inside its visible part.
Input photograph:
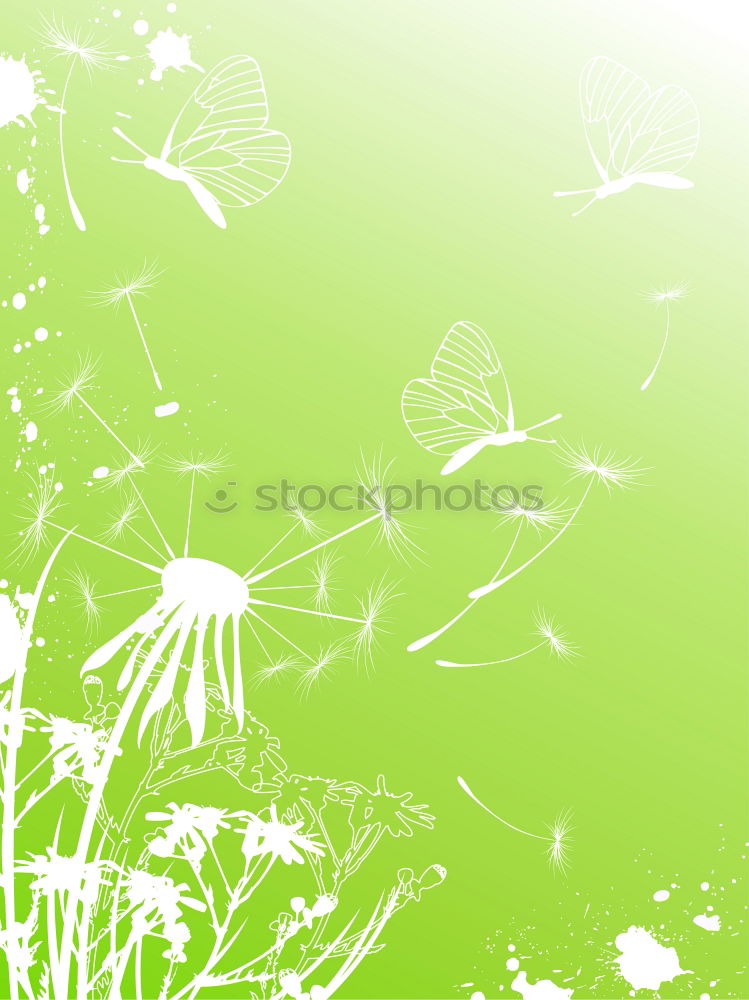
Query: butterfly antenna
(586, 205)
(121, 134)
(542, 423)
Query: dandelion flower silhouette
(663, 297)
(78, 49)
(558, 839)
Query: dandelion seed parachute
(197, 596)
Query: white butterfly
(219, 145)
(635, 135)
(452, 413)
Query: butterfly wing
(453, 407)
(220, 137)
(628, 128)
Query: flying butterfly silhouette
(634, 134)
(452, 412)
(219, 145)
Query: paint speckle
(100, 472)
(19, 300)
(171, 8)
(661, 895)
(23, 181)
(544, 989)
(169, 50)
(31, 431)
(140, 27)
(707, 923)
(18, 96)
(117, 12)
(41, 334)
(704, 886)
(644, 962)
(512, 964)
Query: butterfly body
(634, 135)
(220, 146)
(452, 412)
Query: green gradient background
(427, 139)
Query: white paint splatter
(18, 96)
(41, 334)
(39, 211)
(704, 886)
(140, 27)
(512, 964)
(169, 50)
(23, 181)
(31, 431)
(19, 300)
(544, 989)
(644, 962)
(708, 923)
(166, 409)
(661, 895)
(100, 472)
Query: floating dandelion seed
(557, 852)
(548, 516)
(77, 49)
(194, 467)
(275, 669)
(601, 468)
(375, 486)
(37, 510)
(664, 297)
(72, 390)
(320, 667)
(551, 636)
(86, 597)
(121, 476)
(321, 574)
(125, 289)
(594, 467)
(372, 612)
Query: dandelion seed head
(546, 516)
(196, 465)
(319, 667)
(668, 294)
(274, 670)
(121, 475)
(36, 512)
(374, 482)
(558, 851)
(321, 575)
(300, 515)
(75, 45)
(79, 381)
(547, 628)
(128, 514)
(372, 610)
(605, 468)
(85, 596)
(127, 286)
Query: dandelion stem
(425, 640)
(107, 428)
(279, 634)
(131, 590)
(152, 519)
(486, 808)
(74, 210)
(100, 545)
(307, 611)
(145, 541)
(156, 378)
(491, 663)
(15, 736)
(273, 548)
(489, 587)
(189, 513)
(326, 541)
(36, 767)
(649, 379)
